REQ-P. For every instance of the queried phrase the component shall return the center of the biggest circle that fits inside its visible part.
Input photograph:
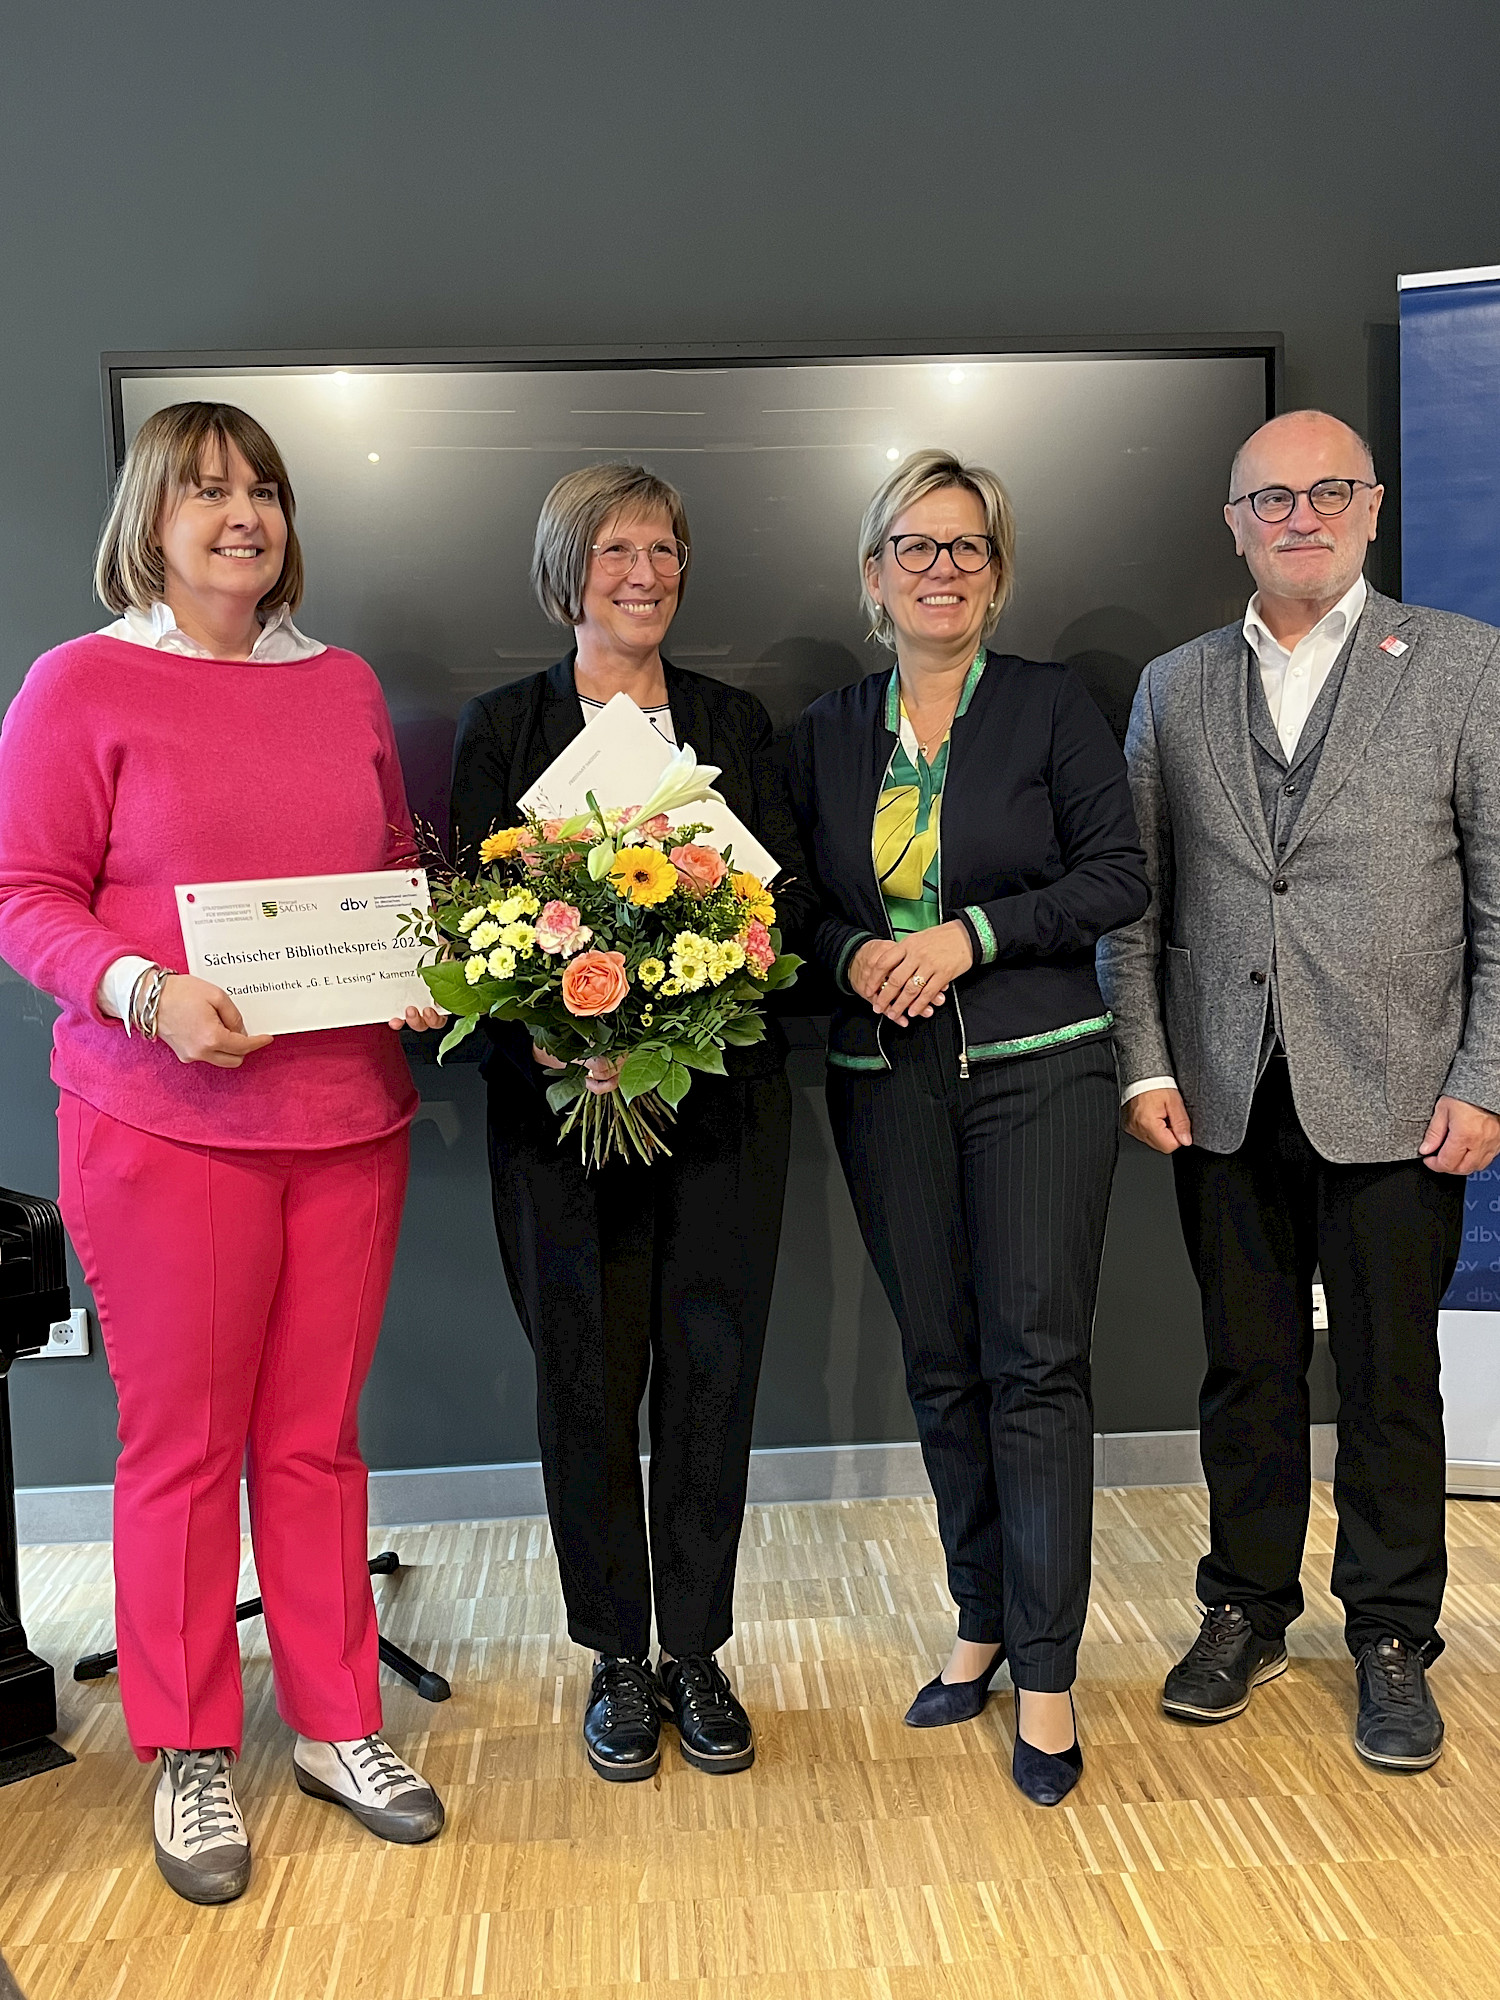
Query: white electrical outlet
(70, 1336)
(1320, 1310)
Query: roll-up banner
(1450, 557)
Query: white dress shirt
(1292, 681)
(279, 643)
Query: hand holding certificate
(309, 951)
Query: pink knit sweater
(125, 771)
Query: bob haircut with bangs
(572, 515)
(918, 474)
(171, 450)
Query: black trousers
(1258, 1222)
(982, 1203)
(632, 1275)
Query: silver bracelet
(147, 1005)
(134, 997)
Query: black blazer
(508, 737)
(1038, 857)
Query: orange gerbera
(501, 846)
(643, 874)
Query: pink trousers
(240, 1296)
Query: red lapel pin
(1394, 646)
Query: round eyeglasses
(970, 553)
(620, 558)
(1278, 503)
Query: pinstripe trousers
(982, 1202)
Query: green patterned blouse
(908, 817)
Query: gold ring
(919, 979)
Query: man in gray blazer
(1308, 1019)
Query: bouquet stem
(607, 1126)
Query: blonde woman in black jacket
(969, 826)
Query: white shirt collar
(279, 641)
(1337, 623)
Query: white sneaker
(202, 1847)
(367, 1777)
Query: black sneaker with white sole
(1214, 1678)
(1399, 1727)
(713, 1729)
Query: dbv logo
(353, 903)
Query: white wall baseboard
(810, 1472)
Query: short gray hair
(572, 515)
(918, 474)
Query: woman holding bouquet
(234, 1201)
(638, 1277)
(971, 1080)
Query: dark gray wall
(385, 175)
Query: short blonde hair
(166, 454)
(921, 473)
(573, 513)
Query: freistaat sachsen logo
(270, 909)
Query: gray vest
(1284, 782)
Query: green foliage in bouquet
(632, 955)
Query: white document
(308, 951)
(619, 758)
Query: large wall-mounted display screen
(418, 487)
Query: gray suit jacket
(1380, 920)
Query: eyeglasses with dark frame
(619, 558)
(1328, 497)
(918, 553)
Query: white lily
(684, 782)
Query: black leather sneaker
(622, 1723)
(1214, 1678)
(713, 1729)
(1399, 1727)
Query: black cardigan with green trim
(1039, 855)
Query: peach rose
(655, 828)
(594, 982)
(699, 868)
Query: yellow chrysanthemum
(474, 968)
(643, 875)
(488, 933)
(502, 962)
(756, 897)
(652, 972)
(501, 846)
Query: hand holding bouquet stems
(632, 954)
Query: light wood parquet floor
(858, 1860)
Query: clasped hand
(907, 980)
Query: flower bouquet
(632, 955)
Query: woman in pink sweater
(234, 1200)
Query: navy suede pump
(942, 1702)
(1046, 1777)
